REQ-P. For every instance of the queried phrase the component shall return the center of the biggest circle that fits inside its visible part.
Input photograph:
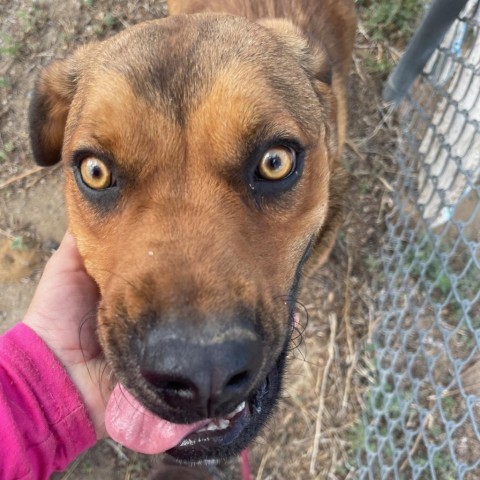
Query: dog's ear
(314, 60)
(310, 54)
(52, 96)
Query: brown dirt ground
(315, 431)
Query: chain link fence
(422, 415)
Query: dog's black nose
(205, 371)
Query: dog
(202, 167)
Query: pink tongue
(132, 425)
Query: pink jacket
(43, 422)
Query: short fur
(181, 109)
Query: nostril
(178, 389)
(238, 380)
(174, 388)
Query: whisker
(87, 318)
(103, 369)
(116, 274)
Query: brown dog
(201, 157)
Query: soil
(314, 433)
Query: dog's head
(198, 153)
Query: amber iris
(277, 163)
(95, 174)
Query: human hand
(63, 313)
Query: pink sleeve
(43, 422)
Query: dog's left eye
(95, 174)
(277, 163)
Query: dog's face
(197, 180)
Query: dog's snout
(206, 373)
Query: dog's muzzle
(201, 372)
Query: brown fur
(176, 107)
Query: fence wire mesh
(422, 415)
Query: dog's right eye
(274, 167)
(277, 163)
(95, 174)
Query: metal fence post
(427, 38)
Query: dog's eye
(277, 163)
(95, 174)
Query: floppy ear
(52, 96)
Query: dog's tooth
(237, 410)
(187, 441)
(223, 423)
(217, 424)
(206, 428)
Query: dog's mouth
(129, 423)
(227, 436)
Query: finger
(67, 257)
(65, 289)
